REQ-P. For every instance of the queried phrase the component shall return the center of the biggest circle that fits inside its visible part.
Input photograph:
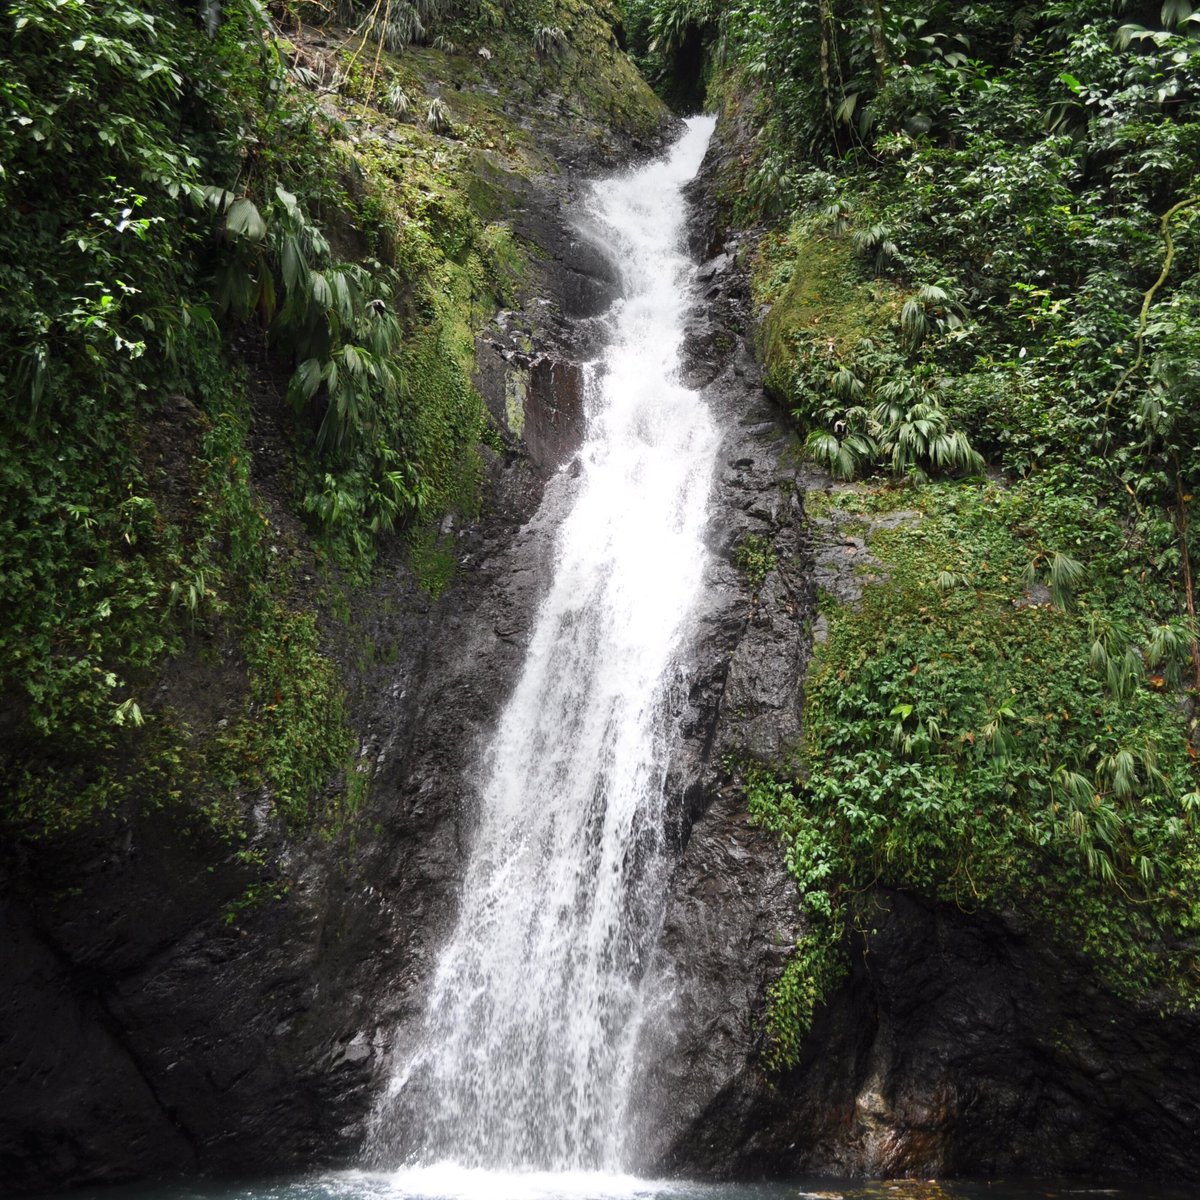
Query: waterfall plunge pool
(448, 1181)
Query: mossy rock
(820, 301)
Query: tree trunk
(878, 40)
(825, 12)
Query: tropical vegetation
(977, 242)
(240, 273)
(244, 249)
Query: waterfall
(525, 1056)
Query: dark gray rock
(714, 266)
(732, 916)
(962, 1045)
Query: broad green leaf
(244, 220)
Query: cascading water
(525, 1055)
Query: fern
(877, 243)
(396, 24)
(396, 101)
(931, 308)
(438, 117)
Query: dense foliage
(444, 24)
(238, 330)
(980, 228)
(114, 128)
(971, 739)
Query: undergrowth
(208, 242)
(996, 725)
(977, 261)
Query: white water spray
(526, 1052)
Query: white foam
(526, 1054)
(451, 1181)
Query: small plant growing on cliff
(549, 39)
(816, 966)
(906, 428)
(756, 558)
(396, 26)
(396, 101)
(878, 246)
(1061, 573)
(817, 961)
(932, 308)
(438, 118)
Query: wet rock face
(732, 915)
(962, 1046)
(536, 398)
(144, 1033)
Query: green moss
(50, 799)
(756, 558)
(293, 736)
(506, 261)
(820, 305)
(432, 557)
(612, 88)
(516, 391)
(490, 190)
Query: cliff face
(959, 1046)
(959, 1043)
(154, 1022)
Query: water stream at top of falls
(525, 1056)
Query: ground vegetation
(244, 251)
